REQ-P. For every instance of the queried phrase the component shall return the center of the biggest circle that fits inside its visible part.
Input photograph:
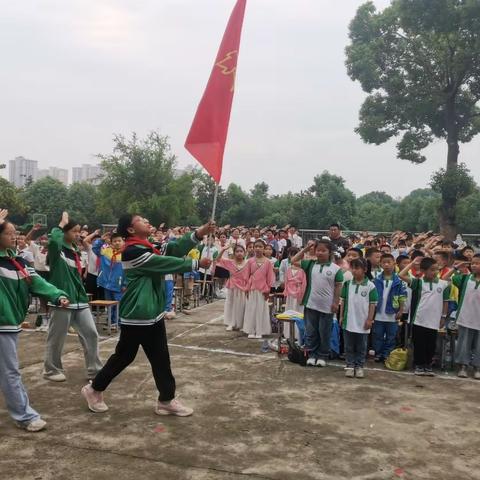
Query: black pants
(424, 344)
(153, 339)
(92, 287)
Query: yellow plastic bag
(397, 360)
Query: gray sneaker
(33, 426)
(350, 372)
(359, 372)
(462, 373)
(476, 374)
(419, 371)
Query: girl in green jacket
(17, 281)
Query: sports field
(256, 416)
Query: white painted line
(221, 350)
(220, 317)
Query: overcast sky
(75, 72)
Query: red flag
(208, 133)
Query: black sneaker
(39, 321)
(379, 360)
(429, 372)
(419, 371)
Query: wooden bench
(109, 306)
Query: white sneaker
(258, 337)
(349, 372)
(33, 426)
(359, 373)
(251, 336)
(170, 315)
(94, 399)
(175, 407)
(320, 363)
(229, 328)
(462, 373)
(311, 362)
(55, 377)
(476, 374)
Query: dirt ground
(256, 416)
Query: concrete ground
(256, 416)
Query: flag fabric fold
(208, 133)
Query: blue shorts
(194, 275)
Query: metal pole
(212, 218)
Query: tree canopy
(419, 62)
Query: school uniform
(17, 281)
(391, 293)
(322, 279)
(142, 311)
(257, 314)
(237, 284)
(468, 320)
(426, 316)
(357, 298)
(66, 274)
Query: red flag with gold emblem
(208, 133)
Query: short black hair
(426, 263)
(71, 224)
(356, 249)
(124, 223)
(387, 255)
(359, 263)
(335, 225)
(370, 251)
(444, 255)
(115, 235)
(416, 253)
(400, 258)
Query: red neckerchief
(78, 263)
(140, 241)
(21, 269)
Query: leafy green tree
(417, 211)
(419, 61)
(139, 177)
(376, 211)
(47, 196)
(82, 199)
(468, 213)
(203, 192)
(11, 199)
(327, 201)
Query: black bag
(296, 354)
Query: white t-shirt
(357, 298)
(211, 253)
(381, 316)
(39, 258)
(321, 285)
(27, 255)
(430, 306)
(468, 312)
(296, 240)
(91, 261)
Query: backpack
(296, 354)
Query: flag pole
(212, 219)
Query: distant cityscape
(23, 171)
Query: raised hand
(64, 220)
(3, 215)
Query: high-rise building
(87, 173)
(60, 174)
(22, 171)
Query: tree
(47, 196)
(469, 213)
(416, 212)
(327, 201)
(419, 61)
(376, 211)
(82, 204)
(203, 192)
(139, 177)
(11, 199)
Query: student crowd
(370, 283)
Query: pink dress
(234, 311)
(257, 314)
